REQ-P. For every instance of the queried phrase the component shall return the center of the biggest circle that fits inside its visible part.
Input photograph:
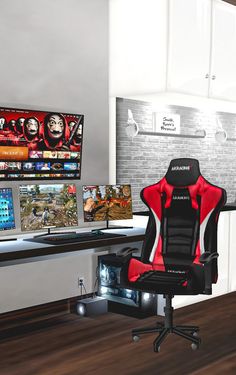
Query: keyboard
(65, 238)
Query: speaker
(91, 306)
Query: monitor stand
(48, 233)
(108, 227)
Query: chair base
(187, 332)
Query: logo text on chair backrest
(181, 168)
(180, 197)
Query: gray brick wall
(143, 160)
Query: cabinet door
(232, 253)
(138, 46)
(189, 46)
(223, 60)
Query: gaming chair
(179, 254)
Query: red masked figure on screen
(76, 134)
(19, 125)
(8, 135)
(31, 133)
(11, 134)
(54, 132)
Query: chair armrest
(206, 259)
(127, 251)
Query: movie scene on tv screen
(107, 202)
(7, 220)
(32, 141)
(43, 206)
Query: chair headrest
(183, 172)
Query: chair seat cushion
(176, 280)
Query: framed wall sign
(168, 123)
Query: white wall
(54, 56)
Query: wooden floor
(71, 345)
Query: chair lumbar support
(187, 332)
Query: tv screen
(44, 206)
(37, 144)
(107, 202)
(7, 220)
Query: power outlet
(81, 281)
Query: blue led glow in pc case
(121, 300)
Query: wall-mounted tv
(7, 220)
(40, 144)
(107, 202)
(44, 206)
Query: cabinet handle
(207, 75)
(213, 77)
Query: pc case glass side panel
(109, 286)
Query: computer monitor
(107, 202)
(36, 145)
(48, 206)
(7, 219)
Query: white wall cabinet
(232, 253)
(180, 46)
(223, 57)
(189, 46)
(202, 54)
(138, 46)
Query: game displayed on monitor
(43, 206)
(107, 202)
(7, 220)
(37, 144)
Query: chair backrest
(184, 211)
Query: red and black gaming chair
(179, 254)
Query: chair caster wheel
(157, 349)
(194, 346)
(195, 334)
(136, 338)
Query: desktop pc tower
(121, 300)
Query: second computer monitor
(107, 202)
(7, 220)
(43, 206)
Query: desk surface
(20, 249)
